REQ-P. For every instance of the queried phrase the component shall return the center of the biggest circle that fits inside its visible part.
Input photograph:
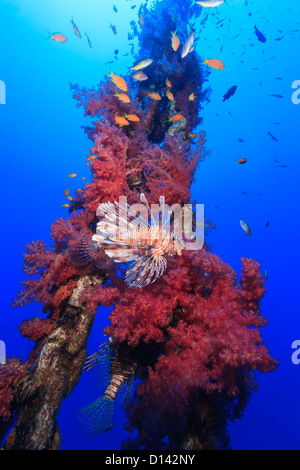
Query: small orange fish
(72, 175)
(214, 63)
(142, 20)
(58, 37)
(122, 97)
(177, 117)
(79, 190)
(154, 96)
(192, 97)
(66, 192)
(70, 198)
(132, 117)
(168, 83)
(175, 41)
(121, 121)
(66, 205)
(193, 136)
(170, 96)
(118, 81)
(242, 160)
(83, 178)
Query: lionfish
(125, 236)
(119, 372)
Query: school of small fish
(137, 74)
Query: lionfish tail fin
(96, 417)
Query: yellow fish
(177, 117)
(214, 63)
(141, 65)
(175, 41)
(122, 97)
(192, 97)
(121, 121)
(154, 96)
(132, 117)
(170, 96)
(118, 81)
(192, 136)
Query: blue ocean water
(41, 142)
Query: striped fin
(145, 270)
(83, 250)
(96, 417)
(118, 219)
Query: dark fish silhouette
(240, 140)
(273, 137)
(260, 35)
(276, 96)
(230, 93)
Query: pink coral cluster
(203, 320)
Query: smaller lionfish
(116, 370)
(125, 236)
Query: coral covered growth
(199, 322)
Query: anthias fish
(177, 117)
(122, 97)
(121, 121)
(127, 237)
(170, 96)
(119, 82)
(154, 96)
(175, 41)
(132, 117)
(214, 63)
(58, 37)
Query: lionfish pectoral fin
(83, 250)
(145, 270)
(96, 417)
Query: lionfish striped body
(97, 416)
(126, 237)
